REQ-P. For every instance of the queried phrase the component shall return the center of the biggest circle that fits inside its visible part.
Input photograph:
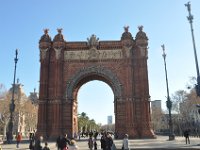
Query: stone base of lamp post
(10, 132)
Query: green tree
(82, 121)
(86, 124)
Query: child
(73, 145)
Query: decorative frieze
(93, 53)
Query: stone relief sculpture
(93, 53)
(43, 53)
(58, 52)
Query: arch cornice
(104, 73)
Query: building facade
(109, 120)
(24, 120)
(66, 66)
(156, 106)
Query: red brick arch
(66, 66)
(93, 73)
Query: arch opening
(95, 99)
(98, 102)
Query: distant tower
(109, 121)
(156, 106)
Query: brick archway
(66, 66)
(93, 73)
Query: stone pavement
(161, 143)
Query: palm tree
(85, 124)
(83, 115)
(82, 121)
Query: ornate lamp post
(168, 102)
(12, 104)
(190, 19)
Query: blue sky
(164, 21)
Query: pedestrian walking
(90, 143)
(103, 141)
(31, 140)
(95, 143)
(186, 135)
(59, 143)
(79, 135)
(31, 144)
(38, 145)
(30, 136)
(109, 142)
(65, 142)
(18, 139)
(125, 145)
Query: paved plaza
(158, 144)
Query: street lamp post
(12, 104)
(168, 102)
(190, 19)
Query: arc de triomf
(66, 66)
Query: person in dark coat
(95, 143)
(31, 140)
(38, 145)
(103, 141)
(59, 142)
(186, 135)
(31, 144)
(109, 142)
(65, 142)
(90, 143)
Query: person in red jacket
(18, 138)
